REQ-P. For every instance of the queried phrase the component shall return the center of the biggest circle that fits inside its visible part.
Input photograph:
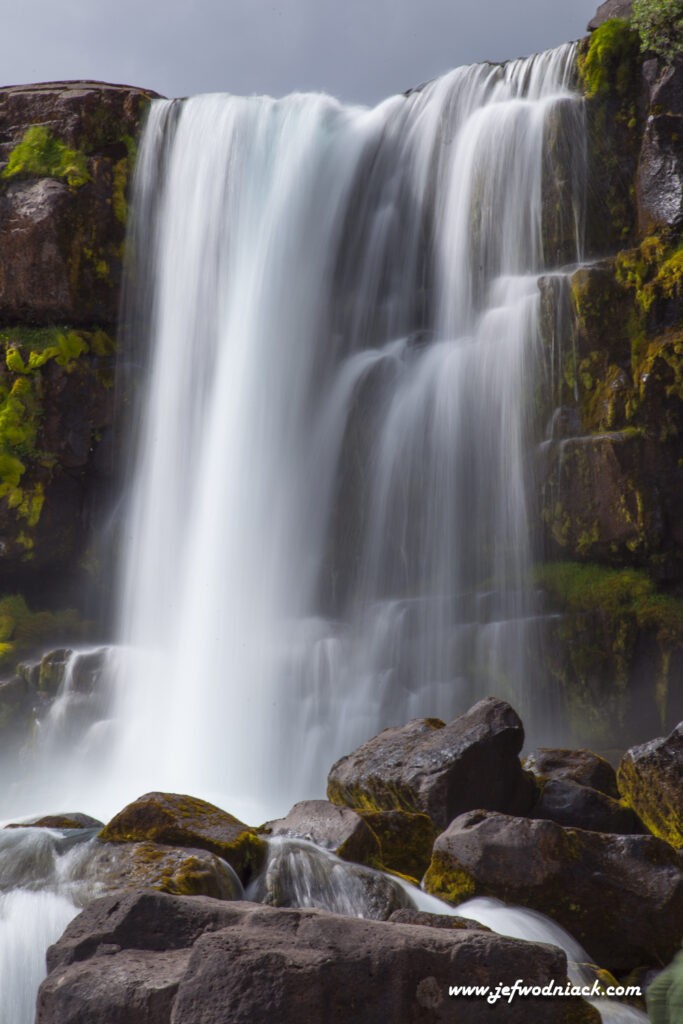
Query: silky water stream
(334, 334)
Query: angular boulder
(650, 779)
(621, 897)
(334, 828)
(159, 959)
(439, 770)
(582, 766)
(174, 819)
(575, 806)
(610, 9)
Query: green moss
(447, 880)
(40, 154)
(608, 61)
(23, 631)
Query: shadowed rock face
(160, 959)
(620, 896)
(650, 779)
(439, 770)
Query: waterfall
(330, 528)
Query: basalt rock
(581, 766)
(405, 839)
(621, 897)
(650, 779)
(610, 9)
(575, 806)
(439, 770)
(338, 829)
(155, 959)
(177, 820)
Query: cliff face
(611, 474)
(608, 402)
(66, 154)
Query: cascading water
(336, 310)
(330, 523)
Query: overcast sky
(358, 50)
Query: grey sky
(358, 50)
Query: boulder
(582, 766)
(59, 821)
(439, 770)
(650, 779)
(405, 839)
(177, 820)
(568, 803)
(338, 829)
(155, 958)
(445, 921)
(610, 9)
(299, 874)
(621, 897)
(130, 867)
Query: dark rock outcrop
(650, 779)
(154, 958)
(610, 9)
(174, 819)
(621, 897)
(659, 181)
(439, 770)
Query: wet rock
(650, 779)
(338, 829)
(177, 820)
(581, 766)
(621, 897)
(298, 874)
(659, 183)
(406, 840)
(439, 770)
(154, 958)
(130, 867)
(575, 806)
(610, 9)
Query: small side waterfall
(330, 529)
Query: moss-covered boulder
(581, 766)
(130, 867)
(68, 820)
(405, 839)
(621, 897)
(426, 767)
(334, 828)
(177, 820)
(650, 779)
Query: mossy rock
(620, 896)
(650, 779)
(128, 867)
(59, 821)
(178, 820)
(338, 829)
(405, 839)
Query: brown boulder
(621, 897)
(334, 828)
(582, 766)
(154, 958)
(178, 820)
(650, 779)
(439, 770)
